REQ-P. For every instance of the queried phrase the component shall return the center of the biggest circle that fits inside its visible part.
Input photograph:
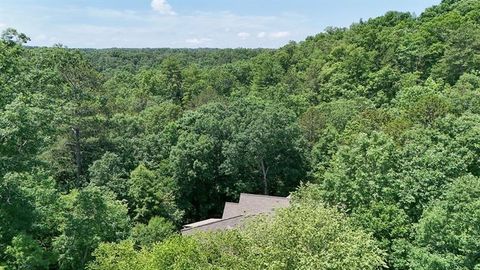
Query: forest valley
(374, 130)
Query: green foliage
(26, 253)
(304, 236)
(309, 236)
(362, 172)
(448, 235)
(29, 217)
(265, 140)
(157, 230)
(120, 256)
(152, 194)
(16, 209)
(90, 217)
(390, 226)
(374, 168)
(25, 130)
(221, 150)
(108, 172)
(179, 253)
(13, 67)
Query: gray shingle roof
(222, 224)
(234, 214)
(201, 223)
(231, 210)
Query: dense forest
(374, 130)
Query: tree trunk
(77, 153)
(264, 170)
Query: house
(234, 214)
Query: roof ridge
(264, 196)
(220, 220)
(202, 221)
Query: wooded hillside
(375, 129)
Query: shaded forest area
(375, 129)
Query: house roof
(234, 214)
(252, 204)
(231, 210)
(221, 224)
(201, 223)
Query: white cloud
(3, 25)
(273, 35)
(105, 28)
(113, 14)
(243, 35)
(198, 41)
(162, 7)
(279, 34)
(41, 37)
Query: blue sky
(187, 23)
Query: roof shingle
(234, 214)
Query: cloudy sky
(187, 23)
